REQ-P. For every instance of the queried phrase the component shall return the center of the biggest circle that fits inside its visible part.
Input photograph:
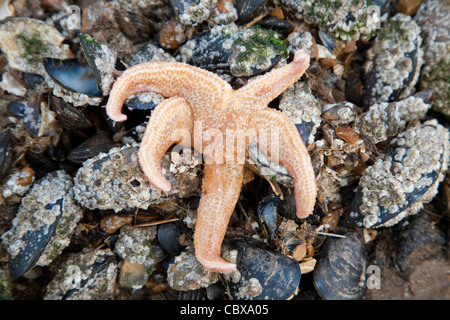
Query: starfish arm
(263, 89)
(200, 88)
(171, 122)
(277, 131)
(221, 188)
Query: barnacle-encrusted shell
(192, 12)
(211, 50)
(344, 19)
(255, 50)
(44, 223)
(262, 274)
(434, 16)
(384, 120)
(186, 273)
(89, 275)
(393, 61)
(115, 181)
(134, 245)
(303, 108)
(404, 178)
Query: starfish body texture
(203, 111)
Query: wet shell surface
(384, 120)
(71, 75)
(263, 274)
(186, 273)
(303, 108)
(404, 178)
(210, 50)
(393, 61)
(340, 270)
(344, 19)
(6, 151)
(134, 246)
(89, 275)
(433, 17)
(45, 221)
(168, 236)
(115, 181)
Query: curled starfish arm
(263, 89)
(171, 122)
(221, 188)
(200, 88)
(287, 148)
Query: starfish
(200, 105)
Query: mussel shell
(341, 267)
(67, 115)
(137, 103)
(409, 175)
(92, 50)
(278, 275)
(267, 212)
(73, 76)
(44, 223)
(6, 151)
(115, 181)
(280, 25)
(398, 43)
(135, 26)
(191, 12)
(255, 51)
(305, 129)
(100, 142)
(17, 108)
(32, 79)
(168, 234)
(385, 215)
(373, 79)
(96, 271)
(35, 243)
(213, 57)
(247, 10)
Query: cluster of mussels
(78, 219)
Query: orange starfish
(202, 106)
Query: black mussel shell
(400, 43)
(73, 76)
(6, 151)
(280, 25)
(35, 243)
(100, 142)
(247, 10)
(168, 234)
(305, 129)
(213, 57)
(267, 212)
(68, 116)
(135, 26)
(275, 276)
(32, 80)
(417, 157)
(92, 50)
(341, 267)
(17, 108)
(136, 103)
